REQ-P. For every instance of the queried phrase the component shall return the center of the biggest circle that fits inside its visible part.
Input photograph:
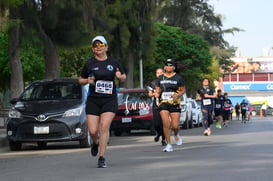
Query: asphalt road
(239, 152)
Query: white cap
(100, 38)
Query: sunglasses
(96, 45)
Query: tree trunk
(130, 74)
(16, 79)
(52, 62)
(51, 59)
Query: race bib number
(104, 87)
(167, 96)
(206, 102)
(218, 106)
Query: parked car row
(191, 115)
(256, 108)
(135, 112)
(196, 113)
(54, 110)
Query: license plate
(126, 120)
(41, 130)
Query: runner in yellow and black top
(169, 89)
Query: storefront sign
(248, 86)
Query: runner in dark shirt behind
(206, 94)
(218, 108)
(243, 110)
(227, 107)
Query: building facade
(251, 78)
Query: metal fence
(3, 116)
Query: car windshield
(133, 97)
(51, 91)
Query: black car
(49, 111)
(257, 109)
(134, 112)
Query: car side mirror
(14, 100)
(148, 88)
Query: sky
(255, 17)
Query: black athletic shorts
(98, 105)
(218, 112)
(170, 107)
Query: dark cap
(219, 90)
(169, 62)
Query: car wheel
(117, 132)
(190, 123)
(152, 131)
(197, 121)
(15, 146)
(186, 124)
(201, 122)
(42, 144)
(196, 125)
(86, 142)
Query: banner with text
(248, 86)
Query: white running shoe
(178, 140)
(168, 148)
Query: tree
(49, 18)
(191, 53)
(73, 59)
(14, 36)
(198, 17)
(4, 62)
(127, 27)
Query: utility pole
(140, 60)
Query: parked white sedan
(196, 113)
(186, 112)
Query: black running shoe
(101, 162)
(94, 149)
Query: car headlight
(13, 113)
(73, 112)
(144, 111)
